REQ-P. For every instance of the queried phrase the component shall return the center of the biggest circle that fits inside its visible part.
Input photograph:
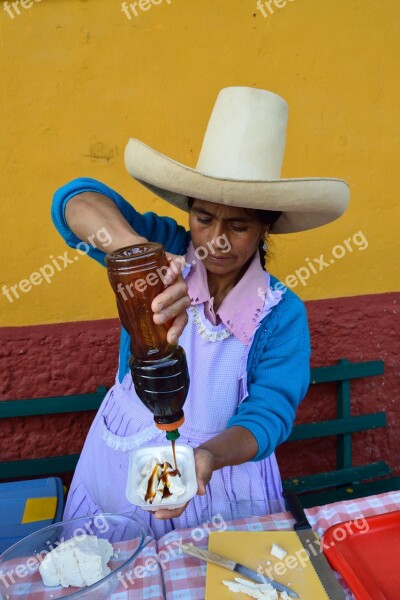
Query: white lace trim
(131, 442)
(205, 331)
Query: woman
(245, 336)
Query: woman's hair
(266, 217)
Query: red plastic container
(367, 554)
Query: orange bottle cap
(171, 426)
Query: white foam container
(186, 465)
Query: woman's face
(209, 221)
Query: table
(181, 577)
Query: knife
(216, 559)
(309, 542)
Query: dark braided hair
(266, 217)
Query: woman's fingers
(172, 303)
(171, 294)
(172, 310)
(205, 463)
(170, 514)
(174, 271)
(177, 264)
(177, 327)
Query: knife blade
(216, 559)
(313, 548)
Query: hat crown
(245, 137)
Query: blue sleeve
(164, 230)
(278, 377)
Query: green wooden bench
(36, 467)
(347, 481)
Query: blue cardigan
(278, 372)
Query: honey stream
(152, 483)
(174, 455)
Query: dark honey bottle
(159, 369)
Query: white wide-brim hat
(240, 165)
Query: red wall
(359, 328)
(53, 360)
(70, 358)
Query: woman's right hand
(173, 301)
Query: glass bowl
(19, 565)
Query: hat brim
(306, 203)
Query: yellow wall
(78, 78)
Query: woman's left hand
(171, 303)
(205, 463)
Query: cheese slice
(78, 562)
(259, 591)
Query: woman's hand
(89, 212)
(173, 301)
(205, 463)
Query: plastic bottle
(159, 369)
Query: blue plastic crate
(26, 506)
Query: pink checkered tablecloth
(184, 577)
(162, 571)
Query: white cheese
(278, 552)
(68, 572)
(162, 480)
(49, 571)
(176, 486)
(259, 591)
(148, 467)
(78, 562)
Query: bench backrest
(46, 406)
(343, 426)
(346, 480)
